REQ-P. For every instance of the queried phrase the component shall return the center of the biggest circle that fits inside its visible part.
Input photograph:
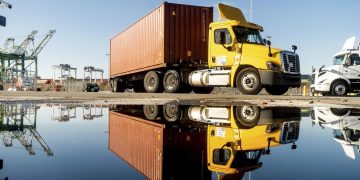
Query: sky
(84, 28)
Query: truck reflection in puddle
(18, 123)
(178, 142)
(345, 124)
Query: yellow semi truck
(189, 51)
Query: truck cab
(232, 150)
(240, 57)
(343, 76)
(344, 123)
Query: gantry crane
(22, 61)
(4, 4)
(88, 73)
(18, 122)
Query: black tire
(151, 112)
(152, 82)
(203, 90)
(171, 112)
(248, 81)
(339, 88)
(339, 111)
(247, 116)
(276, 90)
(171, 81)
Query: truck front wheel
(152, 82)
(276, 90)
(339, 88)
(247, 116)
(248, 81)
(171, 81)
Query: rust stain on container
(157, 151)
(161, 38)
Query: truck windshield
(244, 35)
(338, 60)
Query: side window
(227, 36)
(221, 156)
(355, 59)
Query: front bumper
(273, 78)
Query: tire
(171, 112)
(171, 81)
(151, 112)
(248, 81)
(339, 111)
(203, 90)
(276, 90)
(118, 85)
(152, 82)
(247, 116)
(339, 88)
(115, 85)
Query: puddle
(172, 141)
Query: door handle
(213, 59)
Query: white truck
(345, 124)
(343, 76)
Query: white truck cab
(343, 76)
(345, 125)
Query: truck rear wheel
(152, 82)
(171, 112)
(247, 116)
(171, 81)
(151, 112)
(339, 88)
(248, 81)
(276, 90)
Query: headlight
(273, 66)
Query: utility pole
(251, 10)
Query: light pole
(251, 10)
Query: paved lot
(187, 99)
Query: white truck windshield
(244, 35)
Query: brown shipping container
(170, 33)
(157, 151)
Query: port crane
(18, 122)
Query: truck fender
(235, 69)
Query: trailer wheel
(203, 90)
(151, 112)
(171, 81)
(248, 81)
(276, 90)
(171, 112)
(247, 116)
(339, 88)
(152, 82)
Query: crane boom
(43, 43)
(22, 48)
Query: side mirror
(222, 38)
(268, 42)
(347, 62)
(294, 48)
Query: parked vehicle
(177, 48)
(343, 76)
(345, 124)
(90, 87)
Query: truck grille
(290, 132)
(291, 62)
